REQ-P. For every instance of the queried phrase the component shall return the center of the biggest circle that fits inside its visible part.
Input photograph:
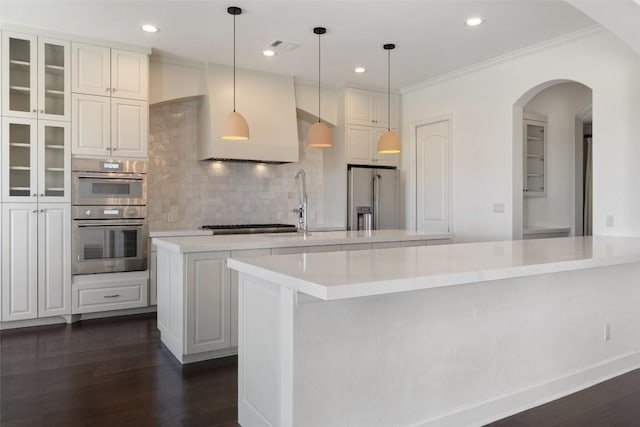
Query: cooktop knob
(87, 212)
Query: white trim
(527, 398)
(74, 38)
(503, 58)
(46, 321)
(165, 58)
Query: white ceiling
(430, 35)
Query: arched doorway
(551, 162)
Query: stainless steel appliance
(109, 230)
(373, 196)
(109, 238)
(250, 228)
(109, 182)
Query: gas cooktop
(250, 228)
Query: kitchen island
(452, 335)
(197, 295)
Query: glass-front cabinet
(36, 160)
(35, 77)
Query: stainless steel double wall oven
(110, 230)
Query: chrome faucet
(302, 200)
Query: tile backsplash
(185, 193)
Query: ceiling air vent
(284, 45)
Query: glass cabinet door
(54, 161)
(19, 75)
(19, 155)
(53, 79)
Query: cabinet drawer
(91, 298)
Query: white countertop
(339, 275)
(285, 240)
(179, 233)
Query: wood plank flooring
(114, 372)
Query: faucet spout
(301, 181)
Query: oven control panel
(109, 212)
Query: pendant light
(235, 126)
(389, 142)
(319, 135)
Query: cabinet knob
(114, 149)
(41, 194)
(113, 90)
(34, 211)
(41, 111)
(107, 90)
(41, 210)
(107, 148)
(34, 110)
(34, 195)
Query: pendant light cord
(389, 90)
(319, 120)
(234, 63)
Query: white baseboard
(521, 400)
(74, 318)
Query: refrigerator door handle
(376, 200)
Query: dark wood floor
(115, 373)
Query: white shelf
(54, 92)
(55, 189)
(20, 188)
(55, 147)
(20, 89)
(533, 175)
(55, 68)
(20, 144)
(20, 63)
(55, 169)
(534, 138)
(535, 156)
(19, 168)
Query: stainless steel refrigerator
(373, 195)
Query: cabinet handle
(112, 296)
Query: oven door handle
(111, 224)
(110, 175)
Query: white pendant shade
(389, 143)
(319, 136)
(235, 127)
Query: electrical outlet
(170, 217)
(607, 332)
(610, 220)
(498, 208)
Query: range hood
(268, 103)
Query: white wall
(481, 103)
(559, 104)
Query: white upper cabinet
(110, 112)
(35, 77)
(36, 160)
(362, 147)
(369, 108)
(99, 70)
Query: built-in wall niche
(534, 158)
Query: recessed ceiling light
(359, 69)
(148, 28)
(269, 52)
(474, 21)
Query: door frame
(410, 158)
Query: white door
(19, 160)
(91, 67)
(359, 144)
(91, 123)
(54, 161)
(54, 259)
(19, 261)
(433, 199)
(129, 123)
(129, 74)
(360, 107)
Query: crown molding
(504, 58)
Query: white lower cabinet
(92, 293)
(36, 266)
(197, 296)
